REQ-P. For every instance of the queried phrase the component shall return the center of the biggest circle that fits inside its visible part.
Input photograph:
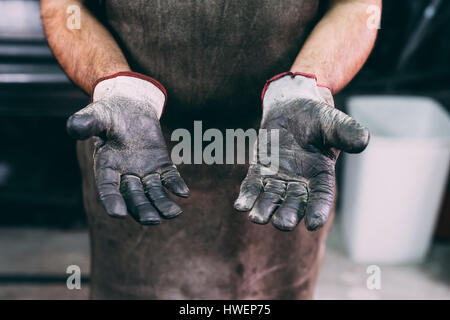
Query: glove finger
(158, 196)
(138, 205)
(343, 132)
(107, 183)
(171, 179)
(87, 122)
(320, 200)
(250, 189)
(292, 210)
(268, 202)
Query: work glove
(131, 161)
(311, 133)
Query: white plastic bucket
(393, 190)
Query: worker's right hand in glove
(131, 161)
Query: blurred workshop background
(42, 222)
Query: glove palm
(311, 133)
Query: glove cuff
(134, 85)
(298, 85)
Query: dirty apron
(213, 58)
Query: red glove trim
(292, 74)
(135, 75)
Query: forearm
(85, 54)
(339, 44)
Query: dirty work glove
(311, 133)
(131, 162)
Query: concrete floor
(341, 278)
(33, 263)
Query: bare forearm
(85, 54)
(339, 44)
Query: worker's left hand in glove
(311, 133)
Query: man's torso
(208, 53)
(213, 57)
